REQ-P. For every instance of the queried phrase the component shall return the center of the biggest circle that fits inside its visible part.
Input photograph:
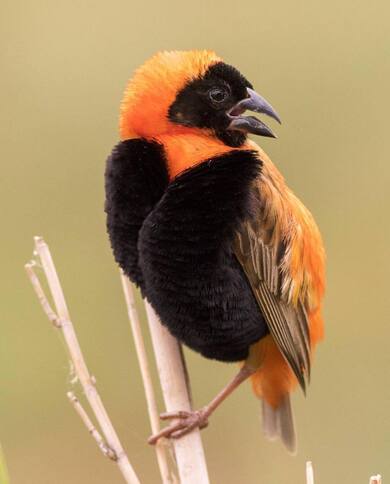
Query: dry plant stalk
(161, 446)
(190, 458)
(4, 478)
(376, 479)
(61, 319)
(309, 473)
(107, 451)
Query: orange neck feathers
(186, 150)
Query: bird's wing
(262, 250)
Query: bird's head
(186, 91)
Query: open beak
(250, 124)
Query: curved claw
(188, 421)
(179, 433)
(152, 440)
(179, 414)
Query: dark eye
(218, 94)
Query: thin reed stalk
(4, 478)
(161, 446)
(190, 458)
(309, 473)
(376, 479)
(61, 319)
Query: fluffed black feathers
(192, 278)
(135, 180)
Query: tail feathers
(279, 422)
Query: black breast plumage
(174, 240)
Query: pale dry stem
(189, 453)
(309, 473)
(376, 479)
(161, 447)
(61, 319)
(107, 451)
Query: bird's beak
(250, 124)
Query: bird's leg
(188, 420)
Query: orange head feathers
(191, 91)
(154, 87)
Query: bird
(203, 222)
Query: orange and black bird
(203, 222)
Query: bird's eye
(218, 94)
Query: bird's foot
(186, 421)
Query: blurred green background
(325, 67)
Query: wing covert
(262, 250)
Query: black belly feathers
(174, 240)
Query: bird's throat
(188, 150)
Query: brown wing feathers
(260, 251)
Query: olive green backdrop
(325, 67)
